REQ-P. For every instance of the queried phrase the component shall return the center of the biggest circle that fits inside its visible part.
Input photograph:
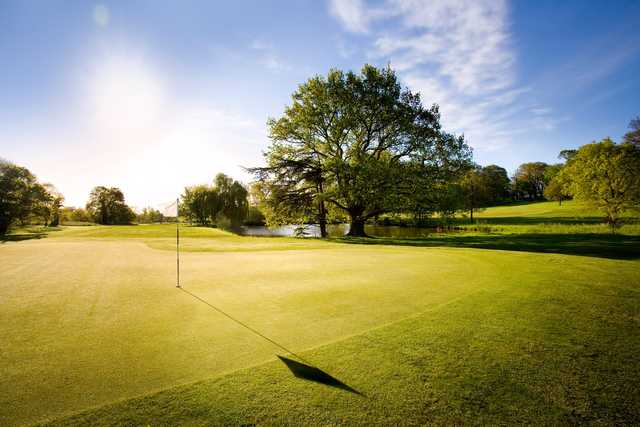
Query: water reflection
(335, 230)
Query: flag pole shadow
(311, 373)
(301, 370)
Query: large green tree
(607, 176)
(106, 205)
(21, 196)
(359, 142)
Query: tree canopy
(607, 176)
(359, 142)
(22, 197)
(529, 180)
(107, 206)
(226, 201)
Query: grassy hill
(465, 328)
(542, 211)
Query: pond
(337, 230)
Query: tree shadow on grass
(311, 373)
(28, 233)
(594, 245)
(21, 237)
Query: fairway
(91, 316)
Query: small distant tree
(54, 206)
(224, 203)
(475, 190)
(529, 179)
(633, 136)
(556, 191)
(81, 215)
(107, 206)
(149, 215)
(555, 187)
(497, 182)
(567, 155)
(606, 175)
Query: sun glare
(125, 94)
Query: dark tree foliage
(23, 198)
(497, 182)
(107, 206)
(633, 136)
(567, 155)
(529, 180)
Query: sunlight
(124, 94)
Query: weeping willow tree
(226, 201)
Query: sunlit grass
(530, 321)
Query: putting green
(87, 321)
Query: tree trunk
(471, 214)
(4, 226)
(323, 228)
(322, 219)
(357, 228)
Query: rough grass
(95, 333)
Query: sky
(152, 96)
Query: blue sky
(151, 96)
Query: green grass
(465, 328)
(545, 218)
(540, 211)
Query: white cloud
(457, 53)
(541, 111)
(274, 63)
(101, 15)
(351, 13)
(268, 56)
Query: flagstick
(177, 243)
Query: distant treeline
(354, 147)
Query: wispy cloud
(541, 111)
(268, 56)
(457, 53)
(352, 13)
(101, 15)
